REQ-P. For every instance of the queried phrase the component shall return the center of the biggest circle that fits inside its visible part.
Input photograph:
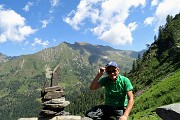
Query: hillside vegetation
(162, 57)
(156, 76)
(164, 93)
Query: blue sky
(29, 26)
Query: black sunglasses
(110, 71)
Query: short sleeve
(102, 81)
(128, 85)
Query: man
(118, 94)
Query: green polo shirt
(116, 92)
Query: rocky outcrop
(169, 112)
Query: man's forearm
(95, 84)
(129, 107)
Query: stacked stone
(53, 102)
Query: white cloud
(149, 20)
(132, 26)
(118, 34)
(2, 38)
(164, 8)
(46, 22)
(1, 7)
(108, 18)
(13, 29)
(38, 41)
(54, 3)
(83, 11)
(154, 3)
(29, 4)
(25, 30)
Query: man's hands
(102, 70)
(95, 84)
(123, 117)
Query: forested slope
(156, 76)
(162, 57)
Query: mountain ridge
(77, 43)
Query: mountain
(22, 78)
(3, 57)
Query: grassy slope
(165, 92)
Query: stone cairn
(52, 96)
(53, 100)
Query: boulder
(169, 112)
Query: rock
(86, 118)
(54, 95)
(59, 100)
(55, 101)
(169, 112)
(47, 113)
(53, 88)
(70, 117)
(28, 119)
(60, 105)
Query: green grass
(165, 92)
(4, 92)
